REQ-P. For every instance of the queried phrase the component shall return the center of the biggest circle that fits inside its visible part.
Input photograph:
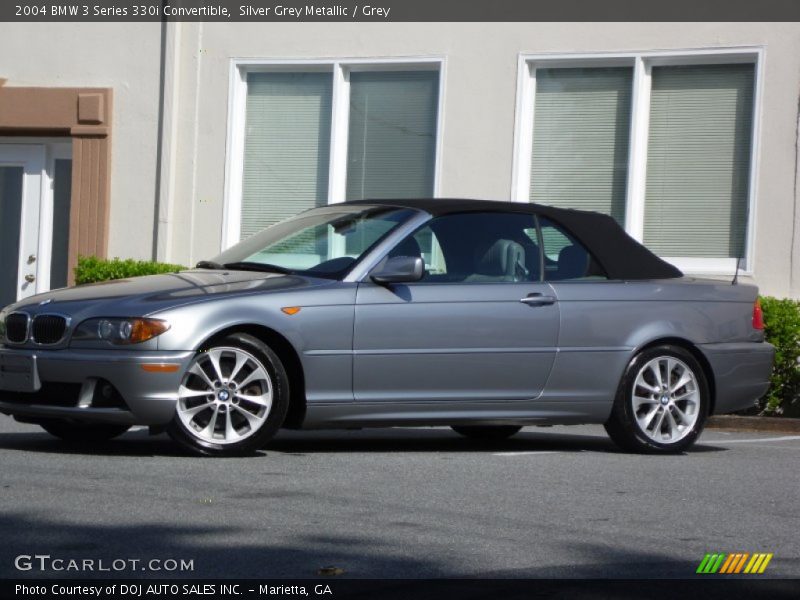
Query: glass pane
(62, 192)
(287, 147)
(392, 134)
(564, 256)
(431, 251)
(319, 243)
(698, 161)
(10, 224)
(581, 127)
(476, 248)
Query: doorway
(35, 203)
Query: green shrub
(782, 329)
(91, 269)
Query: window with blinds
(698, 160)
(287, 146)
(391, 150)
(580, 139)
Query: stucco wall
(479, 107)
(122, 56)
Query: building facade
(685, 133)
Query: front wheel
(662, 402)
(70, 431)
(232, 400)
(486, 432)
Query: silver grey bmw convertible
(482, 316)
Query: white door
(34, 218)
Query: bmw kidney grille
(17, 328)
(48, 329)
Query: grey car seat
(573, 262)
(504, 260)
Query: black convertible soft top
(619, 254)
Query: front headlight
(120, 331)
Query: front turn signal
(145, 329)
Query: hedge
(91, 269)
(782, 329)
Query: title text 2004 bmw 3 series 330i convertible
(484, 316)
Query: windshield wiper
(209, 264)
(256, 266)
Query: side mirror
(399, 269)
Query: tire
(486, 433)
(656, 415)
(77, 432)
(241, 385)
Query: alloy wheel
(666, 399)
(225, 396)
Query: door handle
(537, 299)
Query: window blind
(698, 162)
(287, 146)
(391, 151)
(581, 127)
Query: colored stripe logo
(735, 563)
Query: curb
(773, 424)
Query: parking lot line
(784, 438)
(525, 453)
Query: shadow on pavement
(359, 557)
(379, 440)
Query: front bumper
(741, 373)
(148, 398)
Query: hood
(141, 296)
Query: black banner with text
(397, 10)
(390, 589)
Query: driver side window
(424, 243)
(476, 248)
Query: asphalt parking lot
(554, 502)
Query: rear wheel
(662, 402)
(233, 398)
(486, 432)
(70, 431)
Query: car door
(480, 325)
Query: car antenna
(736, 274)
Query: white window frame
(340, 115)
(642, 63)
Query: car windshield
(323, 242)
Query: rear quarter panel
(604, 323)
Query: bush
(91, 269)
(782, 329)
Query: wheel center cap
(665, 399)
(223, 395)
